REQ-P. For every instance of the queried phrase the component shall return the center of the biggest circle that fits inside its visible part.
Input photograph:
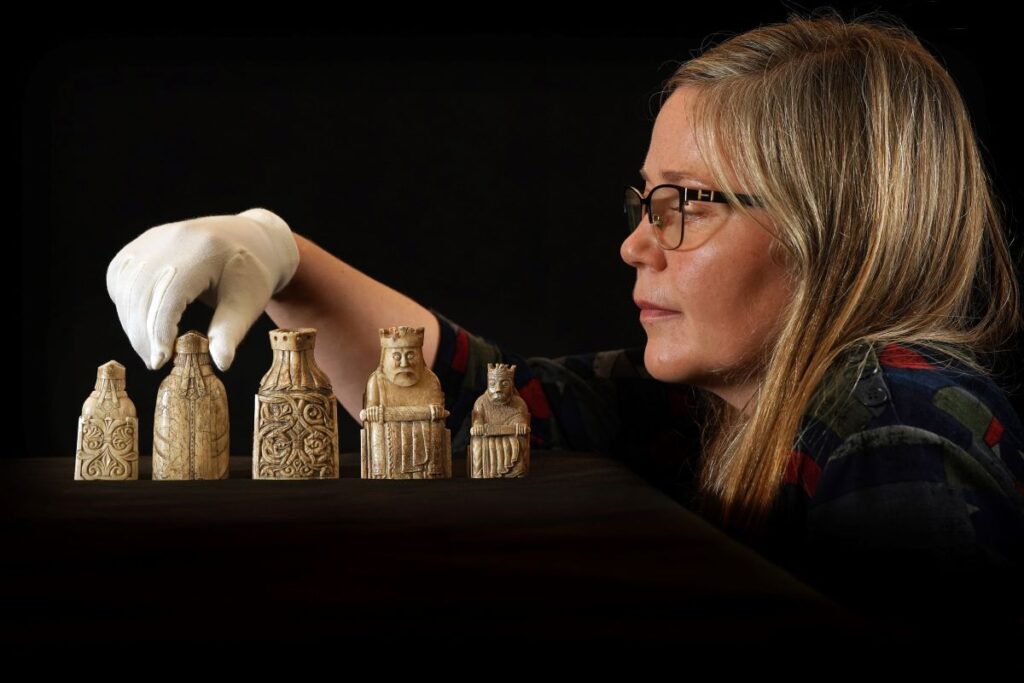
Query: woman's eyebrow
(675, 177)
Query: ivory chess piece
(190, 431)
(499, 436)
(295, 431)
(108, 430)
(404, 434)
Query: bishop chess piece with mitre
(191, 433)
(404, 434)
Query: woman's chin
(665, 364)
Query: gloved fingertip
(157, 360)
(221, 356)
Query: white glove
(232, 263)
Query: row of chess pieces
(295, 427)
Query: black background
(478, 171)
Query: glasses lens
(667, 216)
(633, 209)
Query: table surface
(581, 549)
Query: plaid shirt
(903, 495)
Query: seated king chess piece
(499, 437)
(404, 434)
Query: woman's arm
(347, 308)
(600, 401)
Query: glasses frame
(687, 194)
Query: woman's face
(723, 297)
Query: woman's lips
(648, 314)
(649, 310)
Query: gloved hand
(233, 263)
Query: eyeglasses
(664, 206)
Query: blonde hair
(861, 147)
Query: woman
(814, 324)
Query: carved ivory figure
(108, 430)
(499, 441)
(295, 430)
(404, 434)
(190, 430)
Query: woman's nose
(641, 246)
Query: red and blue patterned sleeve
(602, 401)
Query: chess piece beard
(404, 378)
(500, 396)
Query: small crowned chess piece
(404, 434)
(499, 436)
(190, 430)
(295, 430)
(108, 430)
